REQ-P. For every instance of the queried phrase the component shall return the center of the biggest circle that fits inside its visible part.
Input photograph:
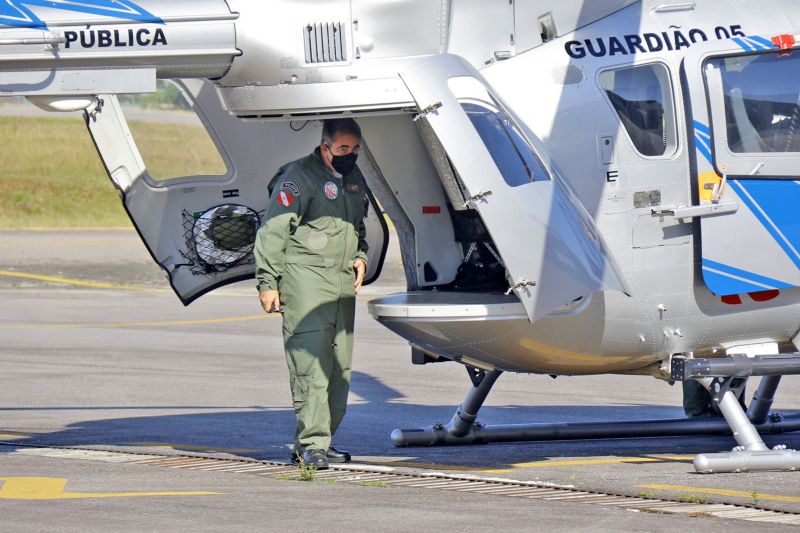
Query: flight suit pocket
(302, 363)
(300, 388)
(309, 355)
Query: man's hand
(361, 270)
(270, 301)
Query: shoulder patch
(290, 187)
(331, 190)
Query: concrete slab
(107, 368)
(242, 502)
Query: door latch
(521, 284)
(427, 111)
(475, 198)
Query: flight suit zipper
(343, 221)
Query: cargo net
(220, 238)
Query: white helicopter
(578, 187)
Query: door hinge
(427, 111)
(95, 109)
(477, 197)
(521, 284)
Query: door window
(762, 102)
(642, 98)
(171, 138)
(509, 149)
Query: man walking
(311, 258)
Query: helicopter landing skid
(751, 454)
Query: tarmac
(97, 354)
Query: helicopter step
(751, 454)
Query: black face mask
(344, 164)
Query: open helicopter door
(201, 228)
(745, 102)
(549, 244)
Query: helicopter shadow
(266, 433)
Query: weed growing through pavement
(308, 472)
(652, 511)
(692, 498)
(378, 484)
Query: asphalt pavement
(97, 354)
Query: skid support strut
(462, 428)
(751, 454)
(762, 399)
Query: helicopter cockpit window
(642, 97)
(762, 102)
(171, 138)
(510, 150)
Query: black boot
(337, 456)
(315, 458)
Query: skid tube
(751, 454)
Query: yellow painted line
(76, 282)
(724, 492)
(590, 462)
(50, 488)
(190, 447)
(66, 230)
(50, 243)
(99, 285)
(141, 324)
(14, 435)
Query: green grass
(376, 484)
(52, 176)
(306, 472)
(692, 498)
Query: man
(311, 258)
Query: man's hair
(338, 126)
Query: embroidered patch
(286, 199)
(291, 187)
(353, 187)
(331, 190)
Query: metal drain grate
(434, 480)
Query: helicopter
(577, 187)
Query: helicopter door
(198, 206)
(745, 100)
(549, 244)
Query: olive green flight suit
(312, 233)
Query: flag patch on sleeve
(286, 199)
